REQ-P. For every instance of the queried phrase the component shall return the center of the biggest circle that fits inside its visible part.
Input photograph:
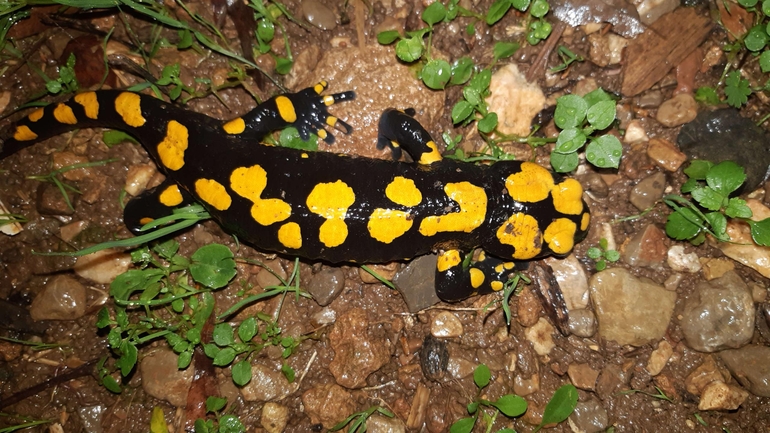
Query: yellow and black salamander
(325, 206)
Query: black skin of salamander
(213, 154)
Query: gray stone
(750, 366)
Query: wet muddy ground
(688, 323)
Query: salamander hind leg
(153, 204)
(457, 280)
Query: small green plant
(53, 177)
(510, 405)
(357, 420)
(560, 406)
(512, 287)
(67, 81)
(223, 423)
(602, 255)
(711, 186)
(579, 117)
(567, 58)
(538, 29)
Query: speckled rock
(648, 191)
(721, 396)
(704, 374)
(678, 110)
(742, 249)
(589, 417)
(719, 315)
(326, 285)
(582, 376)
(63, 298)
(446, 324)
(417, 282)
(317, 14)
(162, 379)
(102, 266)
(680, 261)
(360, 348)
(647, 249)
(541, 336)
(750, 366)
(384, 424)
(274, 417)
(515, 100)
(659, 357)
(267, 384)
(665, 154)
(613, 290)
(572, 279)
(328, 404)
(582, 323)
(705, 138)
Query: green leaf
(223, 334)
(561, 405)
(481, 80)
(247, 329)
(760, 231)
(539, 8)
(737, 208)
(564, 162)
(241, 373)
(409, 49)
(113, 137)
(462, 425)
(748, 3)
(698, 169)
(461, 111)
(213, 266)
(436, 73)
(435, 13)
(265, 30)
(569, 141)
(718, 223)
(764, 60)
(111, 384)
(605, 151)
(594, 253)
(756, 38)
(511, 405)
(737, 89)
(766, 7)
(125, 284)
(503, 50)
(601, 115)
(683, 224)
(288, 372)
(726, 177)
(224, 357)
(231, 424)
(708, 95)
(184, 359)
(472, 95)
(128, 357)
(595, 96)
(570, 111)
(388, 37)
(290, 138)
(708, 198)
(481, 376)
(283, 65)
(103, 318)
(521, 5)
(215, 404)
(462, 69)
(488, 123)
(497, 11)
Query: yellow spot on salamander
(509, 265)
(249, 183)
(63, 113)
(477, 278)
(482, 256)
(322, 134)
(146, 220)
(36, 115)
(473, 209)
(560, 235)
(285, 109)
(331, 120)
(403, 191)
(496, 285)
(235, 126)
(522, 232)
(23, 133)
(568, 197)
(171, 196)
(434, 155)
(90, 104)
(584, 221)
(318, 88)
(447, 260)
(129, 106)
(499, 268)
(304, 155)
(328, 100)
(532, 184)
(213, 193)
(331, 201)
(290, 235)
(385, 225)
(171, 149)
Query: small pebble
(589, 416)
(102, 266)
(319, 15)
(678, 110)
(445, 324)
(274, 417)
(721, 396)
(63, 298)
(659, 357)
(582, 323)
(680, 261)
(541, 337)
(648, 191)
(665, 154)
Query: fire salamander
(325, 206)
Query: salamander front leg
(153, 204)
